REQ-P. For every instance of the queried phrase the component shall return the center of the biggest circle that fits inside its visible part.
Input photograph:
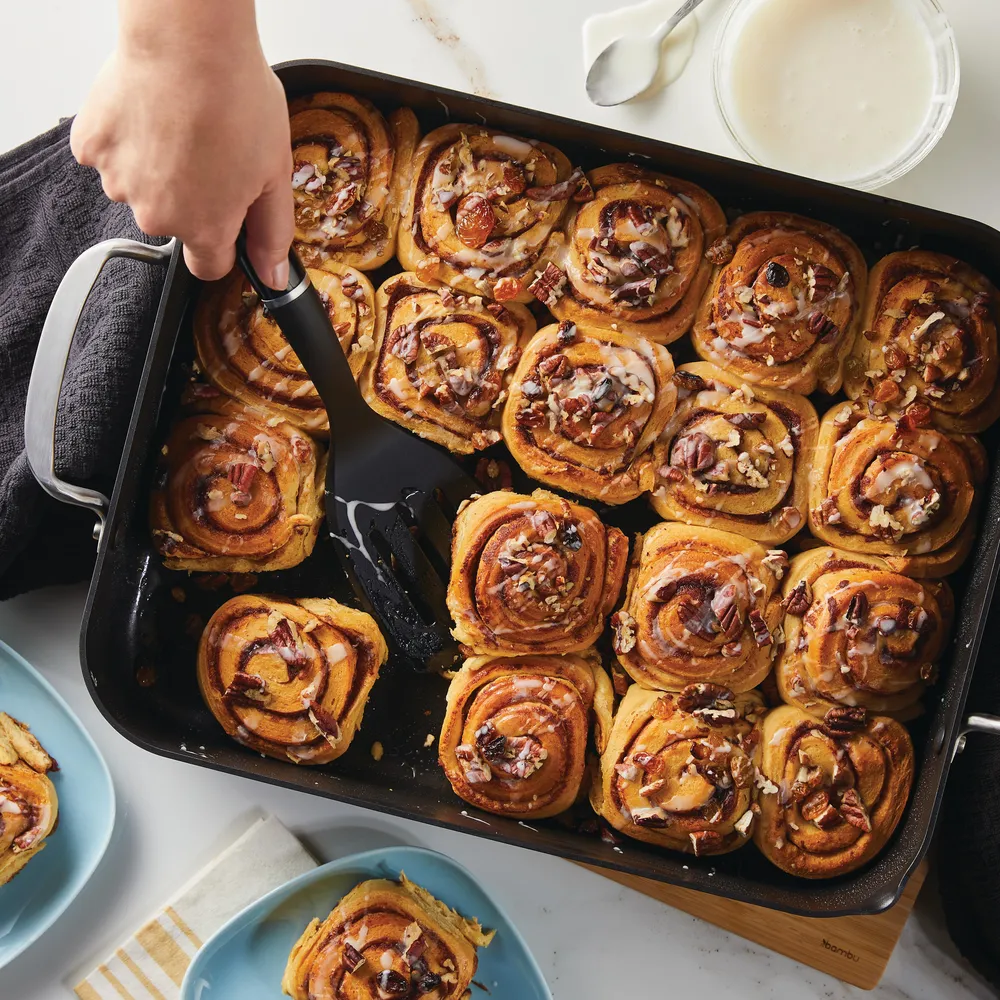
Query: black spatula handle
(303, 319)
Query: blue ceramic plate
(39, 893)
(246, 959)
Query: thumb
(270, 228)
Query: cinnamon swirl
(532, 574)
(632, 256)
(349, 179)
(679, 769)
(735, 457)
(442, 360)
(481, 206)
(929, 335)
(242, 351)
(29, 805)
(897, 488)
(585, 408)
(859, 635)
(289, 678)
(831, 792)
(238, 489)
(386, 939)
(515, 733)
(783, 305)
(701, 605)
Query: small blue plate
(246, 959)
(38, 894)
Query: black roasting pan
(138, 644)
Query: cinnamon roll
(480, 207)
(386, 939)
(515, 733)
(242, 351)
(679, 769)
(929, 335)
(701, 605)
(859, 635)
(735, 457)
(442, 360)
(632, 257)
(783, 305)
(832, 792)
(897, 488)
(238, 490)
(29, 805)
(350, 174)
(289, 678)
(585, 408)
(532, 574)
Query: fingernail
(279, 276)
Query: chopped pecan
(635, 291)
(761, 633)
(705, 841)
(246, 685)
(624, 627)
(555, 366)
(702, 695)
(560, 191)
(406, 343)
(853, 810)
(620, 680)
(584, 190)
(821, 327)
(727, 612)
(823, 281)
(829, 512)
(241, 475)
(744, 421)
(932, 374)
(915, 416)
(650, 259)
(689, 381)
(353, 959)
(828, 818)
(475, 220)
(857, 609)
(513, 182)
(776, 561)
(651, 763)
(566, 333)
(325, 721)
(842, 720)
(721, 252)
(533, 415)
(741, 768)
(548, 284)
(475, 769)
(694, 451)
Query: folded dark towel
(52, 209)
(969, 845)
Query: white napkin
(151, 964)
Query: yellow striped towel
(151, 964)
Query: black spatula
(390, 496)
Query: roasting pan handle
(977, 723)
(49, 368)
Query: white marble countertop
(592, 938)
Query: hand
(187, 123)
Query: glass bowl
(945, 92)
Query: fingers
(210, 261)
(270, 228)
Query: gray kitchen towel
(51, 209)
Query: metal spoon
(628, 66)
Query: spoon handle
(678, 15)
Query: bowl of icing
(856, 92)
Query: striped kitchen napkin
(151, 964)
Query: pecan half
(761, 633)
(741, 768)
(727, 612)
(853, 810)
(246, 686)
(353, 959)
(702, 695)
(857, 609)
(241, 475)
(694, 452)
(406, 345)
(560, 191)
(813, 805)
(744, 421)
(842, 720)
(548, 284)
(689, 381)
(821, 327)
(326, 722)
(555, 366)
(721, 252)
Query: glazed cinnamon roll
(783, 305)
(859, 635)
(897, 488)
(585, 408)
(515, 733)
(386, 939)
(532, 574)
(29, 805)
(701, 605)
(238, 490)
(735, 457)
(831, 792)
(351, 170)
(289, 678)
(442, 361)
(633, 256)
(929, 334)
(242, 351)
(481, 206)
(679, 769)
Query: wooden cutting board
(854, 949)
